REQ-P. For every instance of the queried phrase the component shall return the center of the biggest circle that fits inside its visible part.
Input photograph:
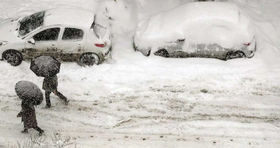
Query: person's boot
(66, 102)
(48, 106)
(39, 130)
(62, 97)
(24, 131)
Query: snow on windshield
(30, 23)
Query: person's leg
(48, 101)
(61, 96)
(37, 128)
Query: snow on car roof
(69, 17)
(207, 22)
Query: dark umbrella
(45, 66)
(28, 91)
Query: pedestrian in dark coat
(28, 117)
(50, 86)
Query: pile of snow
(220, 22)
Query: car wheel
(234, 55)
(89, 59)
(13, 57)
(162, 52)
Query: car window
(72, 34)
(47, 35)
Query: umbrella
(28, 91)
(45, 66)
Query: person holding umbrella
(30, 95)
(48, 67)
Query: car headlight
(2, 43)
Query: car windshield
(30, 23)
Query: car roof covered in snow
(69, 17)
(202, 22)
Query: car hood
(8, 30)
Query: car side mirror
(31, 41)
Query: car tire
(13, 57)
(162, 52)
(89, 59)
(234, 55)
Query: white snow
(220, 22)
(69, 17)
(135, 101)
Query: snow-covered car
(68, 34)
(197, 29)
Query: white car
(197, 29)
(65, 33)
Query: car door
(72, 43)
(45, 43)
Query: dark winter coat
(28, 116)
(50, 83)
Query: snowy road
(166, 114)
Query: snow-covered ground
(137, 101)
